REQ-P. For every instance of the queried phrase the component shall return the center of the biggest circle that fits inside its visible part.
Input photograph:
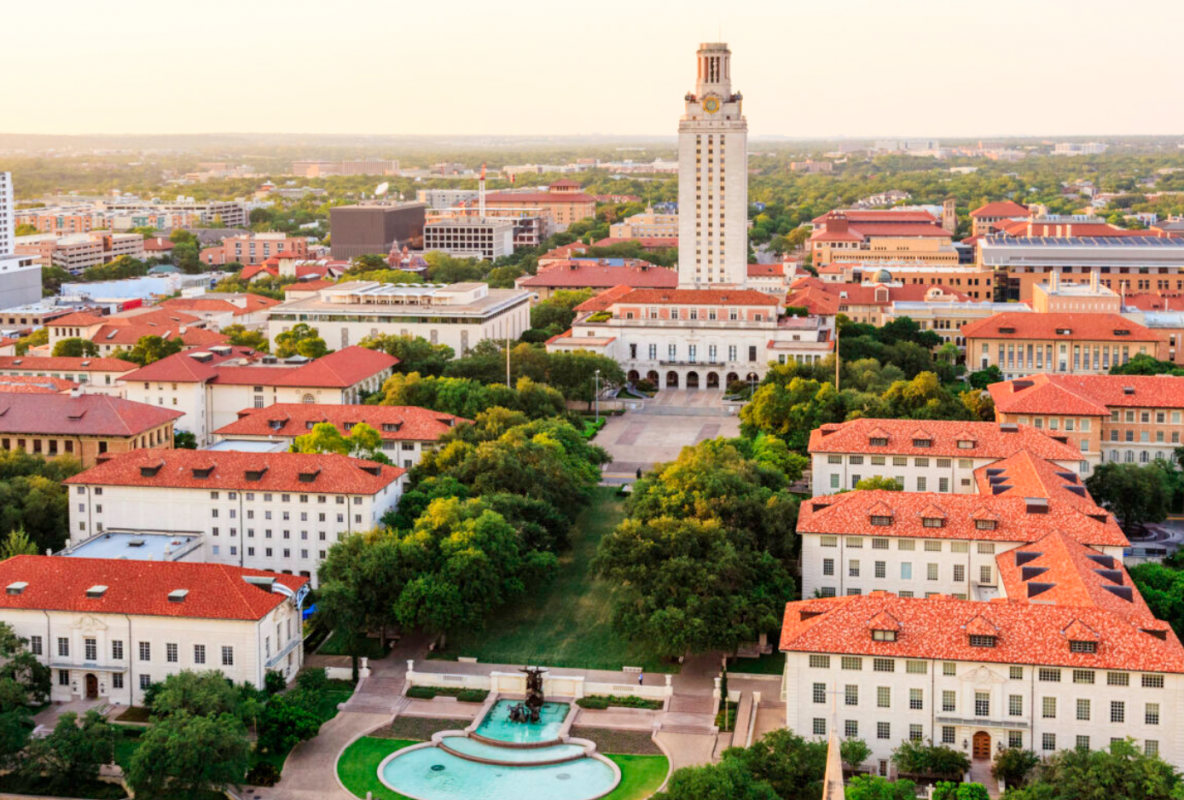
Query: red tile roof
(1064, 229)
(310, 286)
(80, 319)
(867, 230)
(340, 369)
(190, 367)
(1024, 475)
(1157, 301)
(1080, 327)
(605, 300)
(66, 364)
(1058, 569)
(850, 513)
(647, 242)
(142, 588)
(1086, 395)
(879, 215)
(32, 384)
(940, 627)
(253, 302)
(251, 270)
(409, 423)
(567, 274)
(988, 439)
(528, 198)
(157, 245)
(329, 473)
(766, 271)
(86, 415)
(1002, 208)
(692, 297)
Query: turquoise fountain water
(511, 761)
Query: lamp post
(596, 378)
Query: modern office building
(645, 225)
(486, 238)
(372, 229)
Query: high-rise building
(713, 177)
(20, 275)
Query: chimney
(836, 222)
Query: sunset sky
(822, 69)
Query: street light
(596, 377)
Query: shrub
(854, 752)
(919, 758)
(592, 702)
(421, 692)
(945, 790)
(645, 385)
(601, 701)
(472, 696)
(1013, 765)
(273, 682)
(263, 773)
(313, 680)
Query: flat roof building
(487, 238)
(361, 230)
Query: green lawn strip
(358, 770)
(768, 664)
(358, 766)
(419, 729)
(569, 623)
(134, 714)
(640, 776)
(335, 646)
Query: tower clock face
(711, 104)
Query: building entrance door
(982, 745)
(92, 686)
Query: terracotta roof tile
(66, 364)
(1080, 327)
(988, 439)
(395, 423)
(327, 473)
(1086, 395)
(691, 297)
(215, 591)
(1002, 208)
(567, 274)
(32, 384)
(85, 415)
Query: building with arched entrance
(108, 628)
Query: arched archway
(981, 747)
(712, 380)
(732, 378)
(672, 380)
(633, 376)
(308, 400)
(692, 380)
(752, 377)
(652, 377)
(92, 686)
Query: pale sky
(818, 68)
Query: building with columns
(713, 177)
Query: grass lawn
(768, 664)
(358, 770)
(335, 646)
(134, 714)
(568, 624)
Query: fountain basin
(476, 750)
(496, 727)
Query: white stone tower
(7, 215)
(713, 177)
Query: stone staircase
(692, 704)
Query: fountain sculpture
(528, 711)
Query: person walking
(640, 678)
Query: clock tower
(713, 178)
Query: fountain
(528, 711)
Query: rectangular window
(1118, 679)
(820, 662)
(949, 701)
(199, 654)
(916, 667)
(982, 704)
(1151, 747)
(117, 650)
(1048, 708)
(948, 734)
(851, 695)
(1015, 705)
(1152, 681)
(1049, 675)
(949, 668)
(1117, 711)
(1083, 709)
(145, 651)
(35, 645)
(63, 647)
(852, 663)
(1151, 714)
(820, 726)
(931, 572)
(883, 665)
(883, 730)
(91, 649)
(117, 680)
(883, 697)
(916, 699)
(1081, 743)
(1048, 741)
(828, 566)
(227, 656)
(916, 732)
(170, 652)
(145, 681)
(1016, 673)
(820, 693)
(851, 728)
(1083, 676)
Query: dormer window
(309, 477)
(878, 441)
(1064, 331)
(979, 640)
(922, 442)
(965, 444)
(985, 524)
(391, 427)
(932, 522)
(881, 519)
(883, 636)
(1083, 647)
(202, 472)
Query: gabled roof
(141, 588)
(34, 384)
(569, 274)
(320, 473)
(395, 423)
(66, 364)
(340, 369)
(85, 415)
(850, 514)
(1063, 326)
(1001, 208)
(989, 439)
(1086, 395)
(251, 304)
(605, 300)
(700, 297)
(940, 628)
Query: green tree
(37, 338)
(75, 348)
(982, 378)
(448, 269)
(284, 723)
(790, 764)
(873, 787)
(1136, 493)
(1014, 765)
(184, 440)
(18, 543)
(1143, 364)
(415, 353)
(557, 312)
(190, 754)
(728, 780)
(72, 754)
(239, 336)
(878, 482)
(15, 727)
(199, 694)
(1122, 771)
(854, 752)
(362, 441)
(367, 263)
(25, 679)
(302, 340)
(151, 348)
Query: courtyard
(670, 421)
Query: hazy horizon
(862, 69)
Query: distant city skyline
(858, 69)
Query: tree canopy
(1136, 493)
(302, 340)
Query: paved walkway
(49, 715)
(669, 422)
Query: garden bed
(336, 645)
(137, 714)
(418, 729)
(601, 701)
(461, 693)
(611, 740)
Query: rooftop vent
(1009, 427)
(178, 595)
(84, 364)
(999, 488)
(1122, 332)
(136, 543)
(1128, 389)
(17, 587)
(150, 470)
(309, 477)
(1124, 592)
(1020, 385)
(17, 362)
(202, 472)
(203, 357)
(1035, 589)
(816, 507)
(262, 581)
(256, 474)
(994, 470)
(1071, 477)
(1105, 561)
(95, 592)
(1064, 331)
(1077, 490)
(1024, 556)
(1036, 505)
(375, 469)
(1101, 517)
(1007, 330)
(1112, 575)
(1155, 633)
(1028, 573)
(221, 349)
